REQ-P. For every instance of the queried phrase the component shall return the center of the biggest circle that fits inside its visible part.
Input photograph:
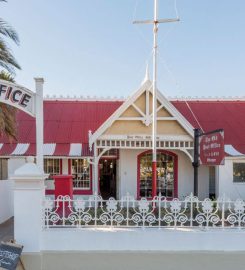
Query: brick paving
(7, 230)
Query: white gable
(137, 110)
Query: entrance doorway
(107, 172)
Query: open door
(107, 169)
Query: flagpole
(155, 23)
(154, 101)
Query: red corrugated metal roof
(67, 122)
(229, 115)
(6, 149)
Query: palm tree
(7, 60)
(7, 113)
(8, 63)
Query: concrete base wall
(134, 260)
(138, 239)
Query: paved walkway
(7, 230)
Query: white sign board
(29, 102)
(17, 96)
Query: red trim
(175, 170)
(82, 192)
(109, 157)
(154, 179)
(49, 192)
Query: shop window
(52, 167)
(3, 169)
(81, 174)
(239, 172)
(166, 178)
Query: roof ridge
(208, 98)
(83, 98)
(122, 98)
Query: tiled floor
(7, 230)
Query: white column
(28, 196)
(96, 176)
(39, 121)
(95, 171)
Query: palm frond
(8, 124)
(8, 31)
(7, 113)
(8, 121)
(7, 60)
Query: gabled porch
(129, 132)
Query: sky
(91, 48)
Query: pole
(39, 121)
(154, 101)
(195, 164)
(155, 23)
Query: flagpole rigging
(155, 23)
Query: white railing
(128, 212)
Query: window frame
(233, 163)
(52, 173)
(175, 160)
(81, 191)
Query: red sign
(212, 148)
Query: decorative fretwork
(128, 212)
(137, 143)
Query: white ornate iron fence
(158, 212)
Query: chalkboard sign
(9, 255)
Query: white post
(154, 105)
(29, 192)
(39, 121)
(96, 173)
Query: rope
(178, 88)
(137, 26)
(187, 104)
(176, 9)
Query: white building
(106, 145)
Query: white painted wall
(185, 175)
(226, 185)
(15, 163)
(128, 172)
(135, 239)
(128, 175)
(28, 197)
(6, 200)
(64, 166)
(203, 182)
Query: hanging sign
(17, 96)
(212, 148)
(9, 255)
